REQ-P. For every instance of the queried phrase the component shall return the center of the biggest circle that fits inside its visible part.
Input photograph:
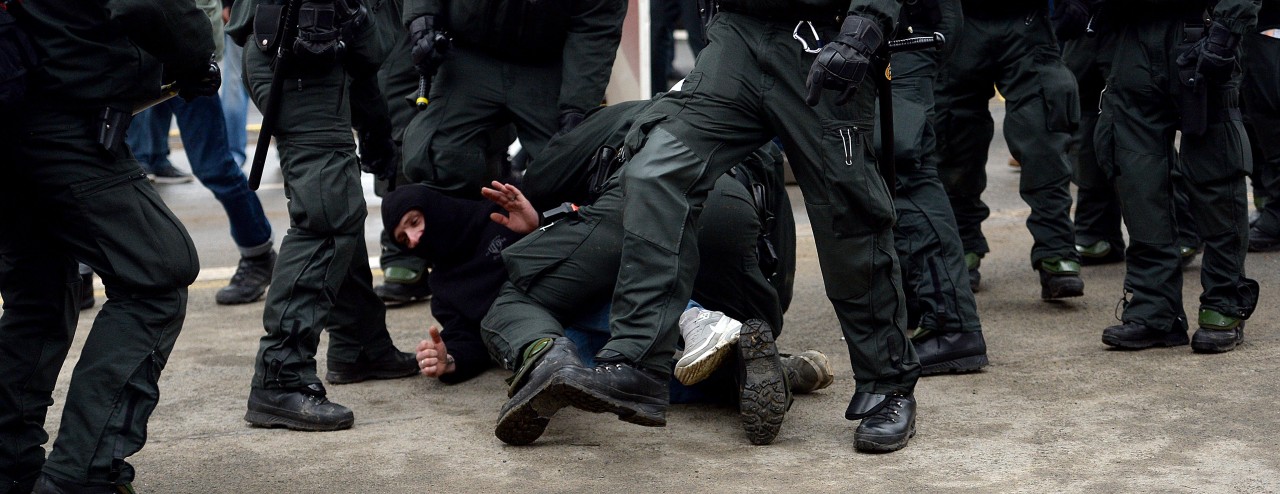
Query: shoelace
(890, 411)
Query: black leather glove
(843, 63)
(1070, 19)
(430, 44)
(378, 155)
(199, 81)
(568, 120)
(1214, 56)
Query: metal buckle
(795, 33)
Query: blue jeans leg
(148, 137)
(205, 139)
(235, 100)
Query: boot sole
(405, 301)
(525, 422)
(1048, 293)
(705, 359)
(648, 415)
(877, 445)
(763, 400)
(271, 421)
(1205, 345)
(239, 301)
(956, 366)
(351, 378)
(1141, 344)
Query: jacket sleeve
(414, 9)
(176, 33)
(589, 49)
(885, 12)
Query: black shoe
(1137, 336)
(807, 371)
(763, 394)
(86, 291)
(942, 353)
(300, 409)
(1217, 333)
(392, 364)
(253, 274)
(888, 422)
(169, 175)
(538, 390)
(1261, 241)
(1100, 252)
(400, 294)
(617, 386)
(49, 485)
(1059, 278)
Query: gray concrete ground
(1055, 411)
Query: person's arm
(884, 12)
(414, 9)
(176, 33)
(595, 31)
(1239, 16)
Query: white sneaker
(707, 338)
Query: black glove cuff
(860, 33)
(1221, 41)
(420, 26)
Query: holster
(112, 124)
(267, 22)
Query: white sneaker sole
(698, 363)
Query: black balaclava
(446, 220)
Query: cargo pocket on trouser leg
(860, 200)
(1060, 95)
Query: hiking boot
(169, 175)
(708, 336)
(942, 353)
(86, 291)
(1137, 336)
(392, 364)
(888, 422)
(1059, 278)
(47, 484)
(1217, 333)
(1187, 254)
(763, 394)
(1261, 241)
(1098, 253)
(300, 409)
(538, 390)
(807, 371)
(972, 260)
(253, 274)
(616, 385)
(403, 286)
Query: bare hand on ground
(433, 358)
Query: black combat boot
(391, 364)
(50, 485)
(888, 421)
(1262, 241)
(1099, 253)
(300, 409)
(253, 274)
(538, 390)
(403, 286)
(1137, 336)
(807, 371)
(1059, 278)
(941, 353)
(763, 394)
(1218, 332)
(616, 385)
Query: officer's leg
(1097, 216)
(359, 346)
(36, 329)
(666, 183)
(97, 207)
(533, 93)
(444, 145)
(1134, 144)
(1215, 166)
(1262, 112)
(729, 279)
(1042, 108)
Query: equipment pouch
(1061, 98)
(319, 37)
(17, 58)
(267, 21)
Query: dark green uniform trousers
(1019, 55)
(322, 277)
(1097, 207)
(1134, 140)
(935, 278)
(64, 198)
(446, 146)
(746, 88)
(564, 272)
(1262, 120)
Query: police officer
(70, 189)
(940, 302)
(537, 65)
(1261, 98)
(1011, 45)
(748, 86)
(321, 278)
(1181, 73)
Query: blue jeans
(205, 140)
(235, 99)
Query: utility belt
(313, 31)
(817, 16)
